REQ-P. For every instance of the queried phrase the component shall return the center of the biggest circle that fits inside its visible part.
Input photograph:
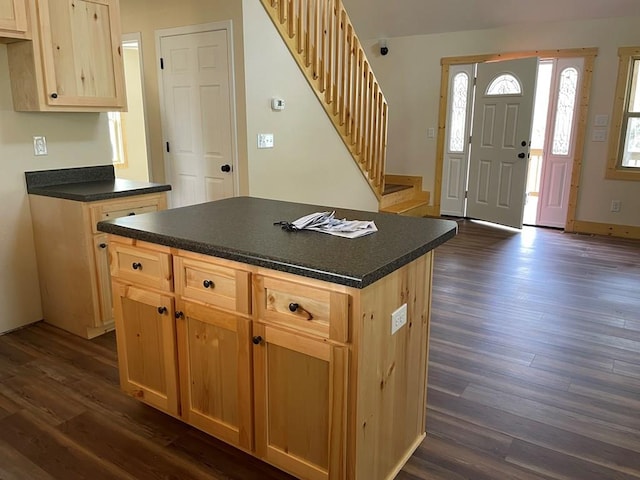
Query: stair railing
(322, 39)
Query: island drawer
(303, 307)
(213, 283)
(128, 206)
(143, 266)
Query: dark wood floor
(534, 374)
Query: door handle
(226, 168)
(521, 155)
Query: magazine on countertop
(325, 222)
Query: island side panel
(387, 414)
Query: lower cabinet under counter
(73, 258)
(342, 399)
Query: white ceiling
(397, 18)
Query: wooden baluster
(344, 83)
(329, 33)
(291, 19)
(348, 88)
(357, 118)
(317, 39)
(307, 36)
(282, 11)
(374, 131)
(301, 32)
(337, 56)
(365, 112)
(383, 161)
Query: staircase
(322, 40)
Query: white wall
(73, 140)
(410, 79)
(309, 163)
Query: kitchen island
(278, 342)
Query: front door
(197, 116)
(501, 135)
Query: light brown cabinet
(73, 259)
(301, 373)
(13, 19)
(146, 345)
(74, 62)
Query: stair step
(415, 207)
(411, 208)
(390, 188)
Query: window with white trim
(624, 141)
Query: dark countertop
(87, 184)
(242, 229)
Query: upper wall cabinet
(74, 62)
(13, 19)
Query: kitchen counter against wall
(87, 184)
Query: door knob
(521, 155)
(162, 310)
(226, 168)
(257, 340)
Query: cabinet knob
(103, 245)
(208, 284)
(179, 314)
(257, 340)
(132, 213)
(294, 307)
(54, 95)
(136, 266)
(162, 310)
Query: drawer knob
(103, 245)
(162, 310)
(54, 95)
(257, 340)
(208, 284)
(294, 307)
(136, 266)
(179, 314)
(132, 213)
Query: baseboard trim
(622, 231)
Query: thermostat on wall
(277, 104)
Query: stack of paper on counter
(326, 222)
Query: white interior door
(197, 116)
(501, 136)
(558, 156)
(456, 156)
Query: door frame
(226, 25)
(589, 55)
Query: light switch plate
(265, 140)
(398, 318)
(39, 145)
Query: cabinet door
(105, 301)
(13, 17)
(214, 350)
(82, 58)
(300, 400)
(145, 331)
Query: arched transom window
(504, 84)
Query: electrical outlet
(39, 146)
(616, 205)
(398, 318)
